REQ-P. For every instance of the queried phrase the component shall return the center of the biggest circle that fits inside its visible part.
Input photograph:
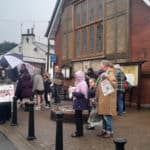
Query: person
(106, 103)
(23, 70)
(24, 89)
(47, 89)
(90, 74)
(92, 102)
(57, 84)
(38, 87)
(80, 102)
(121, 78)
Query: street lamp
(66, 71)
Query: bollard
(59, 131)
(14, 113)
(120, 142)
(30, 108)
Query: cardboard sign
(6, 93)
(106, 87)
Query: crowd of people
(38, 87)
(102, 94)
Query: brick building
(86, 31)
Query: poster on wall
(6, 93)
(131, 73)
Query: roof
(35, 52)
(55, 19)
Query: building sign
(131, 73)
(6, 93)
(53, 58)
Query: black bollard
(30, 108)
(59, 131)
(14, 113)
(120, 143)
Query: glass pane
(99, 37)
(99, 9)
(69, 18)
(91, 10)
(84, 12)
(91, 28)
(84, 41)
(77, 14)
(77, 43)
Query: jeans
(120, 101)
(107, 123)
(57, 89)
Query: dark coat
(47, 87)
(24, 87)
(80, 102)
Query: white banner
(6, 93)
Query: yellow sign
(131, 73)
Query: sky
(16, 16)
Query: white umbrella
(12, 60)
(29, 67)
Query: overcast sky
(29, 13)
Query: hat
(117, 66)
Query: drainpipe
(48, 53)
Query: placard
(131, 73)
(6, 93)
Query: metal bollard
(14, 113)
(59, 131)
(31, 133)
(120, 142)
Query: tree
(6, 46)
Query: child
(47, 89)
(94, 118)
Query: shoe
(37, 108)
(90, 128)
(46, 106)
(100, 134)
(108, 135)
(75, 135)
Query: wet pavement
(5, 143)
(133, 126)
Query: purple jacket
(26, 87)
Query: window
(99, 33)
(88, 29)
(91, 37)
(84, 12)
(77, 14)
(91, 10)
(99, 12)
(77, 43)
(84, 41)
